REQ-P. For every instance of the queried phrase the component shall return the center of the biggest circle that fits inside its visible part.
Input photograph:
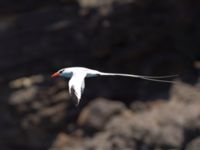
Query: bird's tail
(150, 78)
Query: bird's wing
(76, 86)
(151, 78)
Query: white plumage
(77, 77)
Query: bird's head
(58, 73)
(62, 73)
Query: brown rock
(99, 112)
(194, 144)
(186, 93)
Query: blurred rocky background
(147, 37)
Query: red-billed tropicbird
(77, 76)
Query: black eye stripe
(61, 71)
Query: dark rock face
(53, 36)
(12, 6)
(140, 37)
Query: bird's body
(69, 72)
(77, 77)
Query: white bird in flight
(77, 77)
